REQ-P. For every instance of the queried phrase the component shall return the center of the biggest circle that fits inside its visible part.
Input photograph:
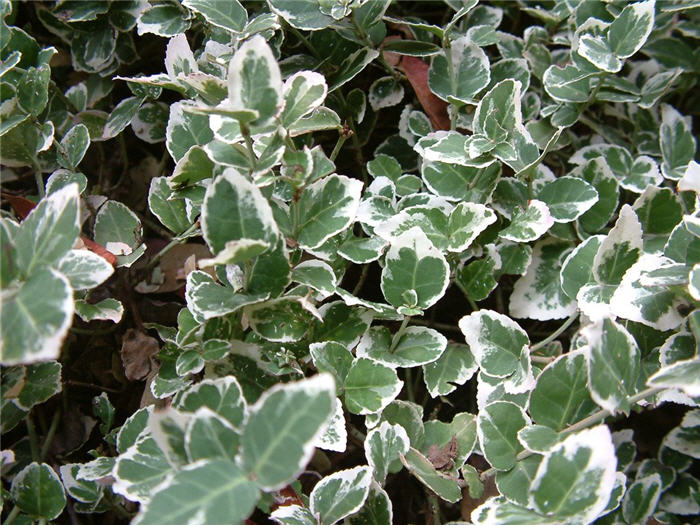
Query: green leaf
(163, 20)
(467, 220)
(121, 116)
(642, 301)
(118, 229)
(333, 358)
(528, 224)
(171, 212)
(303, 92)
(301, 14)
(454, 367)
(351, 67)
(49, 231)
(340, 494)
(377, 509)
(465, 77)
(383, 445)
(284, 319)
(215, 491)
(439, 435)
(415, 274)
(538, 294)
(568, 198)
(73, 146)
(62, 178)
(415, 346)
(597, 51)
(477, 278)
(32, 89)
(234, 209)
(515, 483)
(641, 499)
(37, 490)
(84, 269)
(209, 436)
(282, 425)
(631, 28)
(576, 476)
(320, 119)
(613, 364)
(207, 300)
(682, 375)
(370, 386)
(495, 340)
(106, 310)
(254, 80)
(193, 167)
(567, 84)
(414, 48)
(597, 173)
(498, 425)
(221, 395)
(325, 208)
(317, 275)
(620, 248)
(293, 515)
(41, 382)
(440, 484)
(538, 438)
(577, 268)
(186, 129)
(561, 397)
(500, 510)
(676, 141)
(463, 183)
(231, 16)
(362, 250)
(41, 310)
(385, 92)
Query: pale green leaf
(370, 386)
(37, 490)
(340, 494)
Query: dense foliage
(307, 261)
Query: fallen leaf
(417, 73)
(138, 350)
(173, 267)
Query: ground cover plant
(319, 261)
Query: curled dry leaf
(138, 351)
(175, 265)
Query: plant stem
(434, 508)
(249, 145)
(50, 434)
(174, 242)
(556, 333)
(399, 333)
(31, 432)
(38, 177)
(584, 423)
(12, 515)
(409, 384)
(342, 137)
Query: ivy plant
(360, 261)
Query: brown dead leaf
(417, 73)
(171, 273)
(138, 350)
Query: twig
(174, 242)
(50, 435)
(556, 333)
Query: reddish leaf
(285, 497)
(99, 250)
(21, 205)
(417, 73)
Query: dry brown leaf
(138, 350)
(174, 267)
(417, 73)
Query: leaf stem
(174, 242)
(245, 131)
(434, 507)
(551, 337)
(38, 177)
